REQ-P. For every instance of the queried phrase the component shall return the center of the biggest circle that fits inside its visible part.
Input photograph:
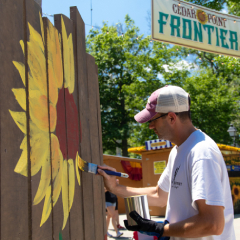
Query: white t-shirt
(196, 170)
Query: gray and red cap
(164, 100)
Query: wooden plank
(100, 151)
(94, 136)
(87, 179)
(14, 186)
(76, 215)
(61, 133)
(39, 124)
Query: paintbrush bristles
(82, 164)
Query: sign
(232, 168)
(159, 167)
(157, 144)
(194, 26)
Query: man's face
(160, 126)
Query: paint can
(139, 204)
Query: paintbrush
(92, 168)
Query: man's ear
(172, 116)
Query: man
(194, 186)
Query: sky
(111, 11)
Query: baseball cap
(164, 100)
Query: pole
(91, 12)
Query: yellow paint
(40, 137)
(77, 171)
(22, 46)
(69, 73)
(20, 119)
(65, 193)
(22, 165)
(20, 95)
(47, 208)
(71, 175)
(39, 151)
(44, 182)
(21, 69)
(81, 163)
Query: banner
(194, 26)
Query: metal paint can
(139, 204)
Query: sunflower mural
(49, 104)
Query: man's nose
(151, 125)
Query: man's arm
(209, 221)
(156, 196)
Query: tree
(129, 66)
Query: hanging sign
(159, 167)
(193, 26)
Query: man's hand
(144, 225)
(109, 181)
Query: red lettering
(193, 13)
(179, 10)
(219, 23)
(189, 13)
(209, 18)
(183, 11)
(224, 21)
(214, 20)
(174, 8)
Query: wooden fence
(50, 115)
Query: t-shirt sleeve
(163, 181)
(206, 182)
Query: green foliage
(212, 104)
(128, 66)
(131, 67)
(214, 4)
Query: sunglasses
(159, 117)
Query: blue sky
(105, 10)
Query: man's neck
(182, 133)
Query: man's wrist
(166, 230)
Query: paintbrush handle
(118, 174)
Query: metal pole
(91, 12)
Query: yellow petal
(57, 157)
(55, 70)
(20, 119)
(47, 208)
(44, 182)
(58, 62)
(40, 151)
(35, 36)
(77, 170)
(22, 45)
(71, 65)
(20, 95)
(65, 193)
(21, 69)
(37, 67)
(57, 162)
(39, 111)
(57, 185)
(66, 57)
(22, 164)
(42, 29)
(71, 175)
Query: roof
(142, 149)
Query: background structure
(50, 116)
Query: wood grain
(14, 187)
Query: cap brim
(144, 116)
